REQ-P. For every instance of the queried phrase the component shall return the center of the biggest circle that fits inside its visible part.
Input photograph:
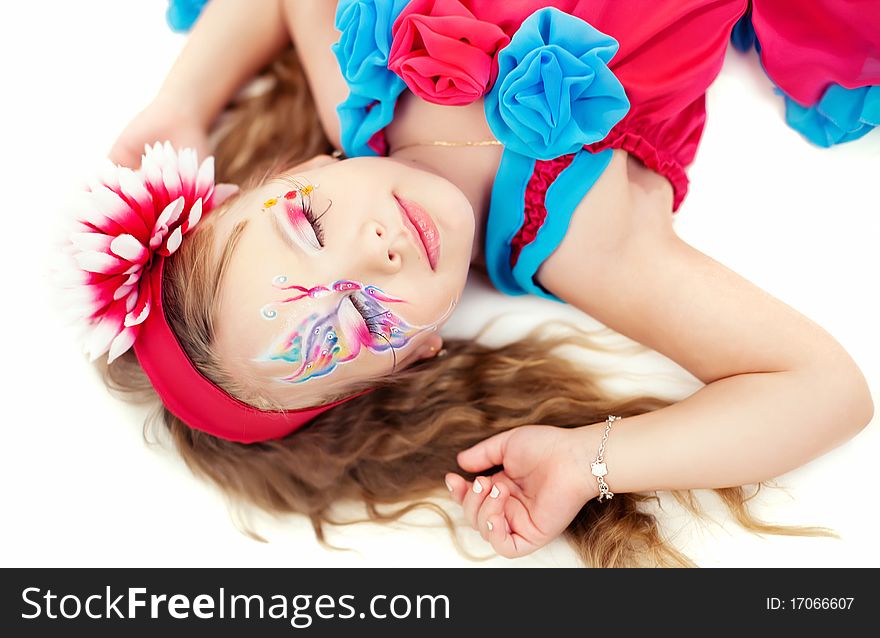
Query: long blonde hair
(393, 446)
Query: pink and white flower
(126, 219)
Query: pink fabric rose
(443, 53)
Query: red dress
(671, 51)
(528, 56)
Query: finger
(493, 505)
(457, 486)
(513, 489)
(485, 454)
(474, 498)
(505, 542)
(521, 524)
(513, 532)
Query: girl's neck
(470, 168)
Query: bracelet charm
(598, 467)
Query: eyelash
(314, 221)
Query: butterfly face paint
(356, 318)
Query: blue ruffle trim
(182, 14)
(507, 213)
(842, 115)
(362, 52)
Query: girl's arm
(230, 42)
(780, 391)
(233, 39)
(311, 22)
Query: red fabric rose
(443, 53)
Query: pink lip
(422, 228)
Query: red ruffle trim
(663, 163)
(535, 212)
(546, 172)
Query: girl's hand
(546, 480)
(163, 119)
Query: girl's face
(343, 272)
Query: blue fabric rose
(362, 52)
(555, 92)
(182, 14)
(842, 115)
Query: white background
(80, 486)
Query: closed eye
(300, 212)
(314, 221)
(302, 224)
(297, 241)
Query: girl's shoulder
(586, 204)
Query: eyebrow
(234, 236)
(228, 249)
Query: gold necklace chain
(448, 144)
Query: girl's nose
(380, 252)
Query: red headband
(135, 220)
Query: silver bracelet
(598, 466)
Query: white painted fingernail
(495, 492)
(478, 487)
(448, 486)
(489, 525)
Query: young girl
(293, 333)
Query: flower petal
(111, 206)
(171, 213)
(108, 174)
(95, 261)
(123, 291)
(205, 178)
(168, 217)
(171, 179)
(129, 248)
(141, 310)
(132, 185)
(91, 241)
(173, 242)
(195, 214)
(103, 334)
(152, 174)
(189, 171)
(120, 345)
(69, 277)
